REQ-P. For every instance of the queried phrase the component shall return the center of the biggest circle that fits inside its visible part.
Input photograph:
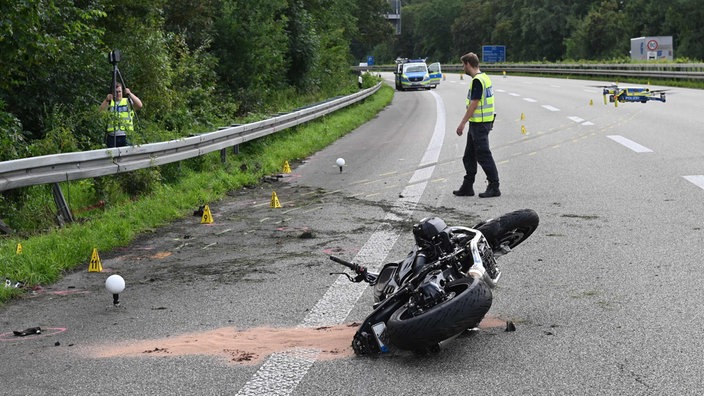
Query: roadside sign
(493, 53)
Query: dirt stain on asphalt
(249, 346)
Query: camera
(114, 56)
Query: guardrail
(88, 164)
(679, 71)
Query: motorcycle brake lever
(356, 279)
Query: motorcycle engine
(431, 291)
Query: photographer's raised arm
(136, 102)
(106, 102)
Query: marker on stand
(340, 162)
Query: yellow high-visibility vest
(485, 110)
(123, 121)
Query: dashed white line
(630, 144)
(551, 108)
(697, 180)
(530, 100)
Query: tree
(372, 28)
(251, 45)
(603, 33)
(47, 52)
(683, 19)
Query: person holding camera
(122, 115)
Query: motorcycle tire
(464, 311)
(509, 229)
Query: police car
(415, 74)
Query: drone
(618, 94)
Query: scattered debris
(306, 235)
(157, 349)
(29, 331)
(11, 283)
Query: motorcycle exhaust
(479, 272)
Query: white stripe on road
(530, 100)
(551, 108)
(283, 371)
(630, 144)
(697, 180)
(579, 120)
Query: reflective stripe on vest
(485, 111)
(123, 120)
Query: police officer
(123, 120)
(480, 115)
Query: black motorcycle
(442, 287)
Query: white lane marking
(530, 100)
(576, 119)
(697, 180)
(283, 371)
(514, 94)
(588, 123)
(432, 152)
(630, 144)
(551, 108)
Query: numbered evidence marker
(207, 216)
(95, 265)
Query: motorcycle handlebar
(354, 267)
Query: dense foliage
(196, 64)
(544, 30)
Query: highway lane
(604, 295)
(601, 297)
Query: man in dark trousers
(480, 114)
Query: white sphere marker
(115, 285)
(340, 162)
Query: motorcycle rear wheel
(465, 310)
(509, 229)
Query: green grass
(45, 257)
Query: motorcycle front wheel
(472, 300)
(509, 229)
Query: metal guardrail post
(64, 213)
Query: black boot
(492, 190)
(464, 191)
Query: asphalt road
(605, 295)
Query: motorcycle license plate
(380, 334)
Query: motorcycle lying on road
(442, 287)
